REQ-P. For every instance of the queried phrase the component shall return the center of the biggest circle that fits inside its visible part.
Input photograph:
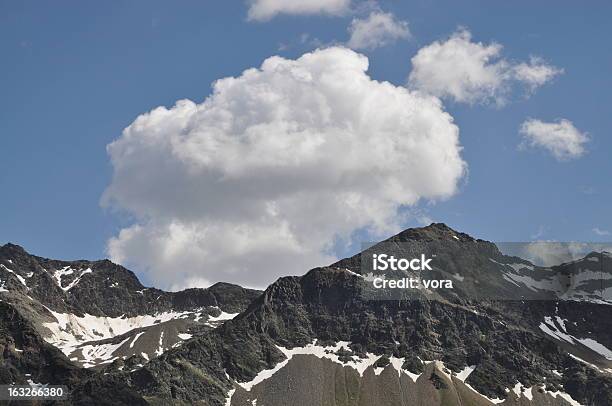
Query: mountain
(508, 332)
(63, 321)
(497, 349)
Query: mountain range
(509, 332)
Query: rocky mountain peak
(434, 231)
(11, 250)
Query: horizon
(545, 250)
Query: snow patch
(458, 277)
(228, 399)
(35, 384)
(528, 393)
(397, 364)
(492, 400)
(136, 338)
(465, 372)
(521, 390)
(160, 350)
(518, 266)
(585, 362)
(21, 278)
(360, 365)
(220, 318)
(60, 273)
(69, 330)
(550, 328)
(595, 346)
(99, 354)
(57, 275)
(462, 376)
(352, 273)
(77, 280)
(549, 284)
(564, 396)
(561, 322)
(329, 352)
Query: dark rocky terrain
(57, 317)
(507, 332)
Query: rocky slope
(61, 318)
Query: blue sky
(74, 74)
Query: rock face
(508, 331)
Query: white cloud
(263, 10)
(600, 232)
(535, 73)
(473, 72)
(274, 167)
(560, 138)
(377, 30)
(551, 253)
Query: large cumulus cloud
(273, 168)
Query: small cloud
(473, 72)
(551, 253)
(535, 73)
(561, 138)
(377, 30)
(600, 232)
(265, 10)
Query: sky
(492, 117)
